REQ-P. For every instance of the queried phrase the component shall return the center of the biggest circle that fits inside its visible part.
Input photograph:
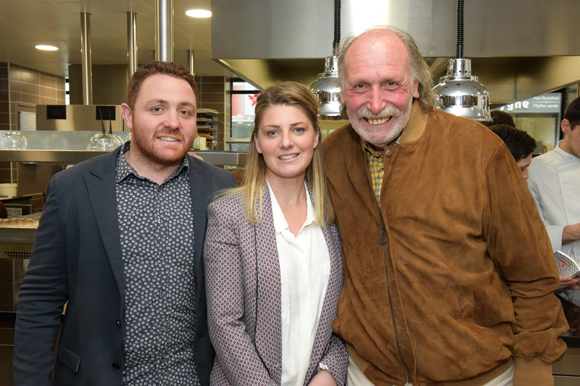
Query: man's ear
(565, 125)
(416, 93)
(127, 115)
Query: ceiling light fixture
(460, 93)
(327, 89)
(198, 13)
(46, 48)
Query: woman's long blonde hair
(252, 187)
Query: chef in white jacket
(554, 179)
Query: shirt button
(116, 366)
(389, 154)
(118, 323)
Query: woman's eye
(299, 129)
(271, 133)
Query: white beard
(379, 136)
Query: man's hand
(323, 378)
(569, 283)
(571, 233)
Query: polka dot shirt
(156, 227)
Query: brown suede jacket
(454, 274)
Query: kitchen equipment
(8, 190)
(104, 141)
(13, 140)
(326, 88)
(459, 93)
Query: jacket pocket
(69, 359)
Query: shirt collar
(124, 169)
(564, 154)
(280, 223)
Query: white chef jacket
(555, 184)
(304, 270)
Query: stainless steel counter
(69, 157)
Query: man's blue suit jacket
(77, 259)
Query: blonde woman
(272, 256)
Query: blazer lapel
(101, 187)
(328, 312)
(200, 199)
(268, 303)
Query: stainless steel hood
(519, 48)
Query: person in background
(119, 242)
(272, 256)
(519, 143)
(500, 117)
(554, 182)
(449, 273)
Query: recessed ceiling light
(199, 13)
(46, 48)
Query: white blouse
(304, 269)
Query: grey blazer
(244, 298)
(76, 258)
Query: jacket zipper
(383, 242)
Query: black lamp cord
(336, 42)
(459, 48)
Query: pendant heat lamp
(326, 88)
(460, 93)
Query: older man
(120, 243)
(449, 274)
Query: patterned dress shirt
(156, 228)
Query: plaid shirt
(376, 163)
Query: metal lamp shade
(327, 90)
(459, 93)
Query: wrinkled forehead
(377, 48)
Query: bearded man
(448, 270)
(119, 242)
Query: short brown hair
(573, 113)
(500, 117)
(154, 68)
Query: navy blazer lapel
(268, 303)
(200, 199)
(102, 193)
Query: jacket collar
(416, 125)
(100, 182)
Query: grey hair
(419, 68)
